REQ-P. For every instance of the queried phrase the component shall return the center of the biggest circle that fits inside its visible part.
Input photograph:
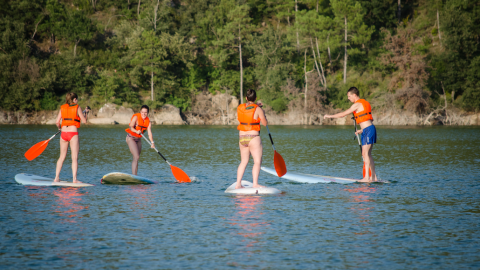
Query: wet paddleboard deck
(118, 178)
(311, 178)
(248, 189)
(35, 180)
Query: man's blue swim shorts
(369, 135)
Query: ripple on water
(428, 217)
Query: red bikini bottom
(67, 136)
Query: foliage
(119, 51)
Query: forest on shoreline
(416, 56)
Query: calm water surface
(427, 218)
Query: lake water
(427, 218)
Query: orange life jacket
(364, 115)
(245, 117)
(70, 115)
(141, 125)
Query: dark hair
(354, 90)
(251, 95)
(88, 107)
(145, 107)
(70, 97)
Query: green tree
(78, 27)
(149, 56)
(349, 19)
(272, 57)
(236, 32)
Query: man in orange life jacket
(362, 111)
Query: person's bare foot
(257, 186)
(364, 180)
(238, 186)
(56, 180)
(77, 182)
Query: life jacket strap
(70, 119)
(362, 115)
(251, 124)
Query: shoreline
(170, 115)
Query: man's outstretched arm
(344, 113)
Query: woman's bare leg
(256, 149)
(135, 149)
(245, 156)
(61, 159)
(75, 148)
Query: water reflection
(67, 204)
(249, 223)
(360, 198)
(141, 195)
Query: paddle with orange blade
(360, 144)
(278, 161)
(38, 148)
(180, 175)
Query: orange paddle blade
(36, 150)
(180, 175)
(280, 166)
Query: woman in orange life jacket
(362, 112)
(138, 125)
(68, 120)
(250, 116)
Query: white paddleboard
(35, 180)
(118, 178)
(249, 190)
(311, 178)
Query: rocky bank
(221, 109)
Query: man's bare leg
(372, 164)
(366, 149)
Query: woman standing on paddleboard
(68, 120)
(250, 116)
(139, 123)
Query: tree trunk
(399, 11)
(288, 17)
(321, 66)
(241, 65)
(345, 61)
(138, 8)
(306, 84)
(438, 25)
(155, 17)
(296, 27)
(445, 97)
(329, 54)
(151, 83)
(317, 6)
(128, 6)
(33, 36)
(75, 48)
(316, 64)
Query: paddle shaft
(55, 134)
(358, 138)
(271, 140)
(156, 149)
